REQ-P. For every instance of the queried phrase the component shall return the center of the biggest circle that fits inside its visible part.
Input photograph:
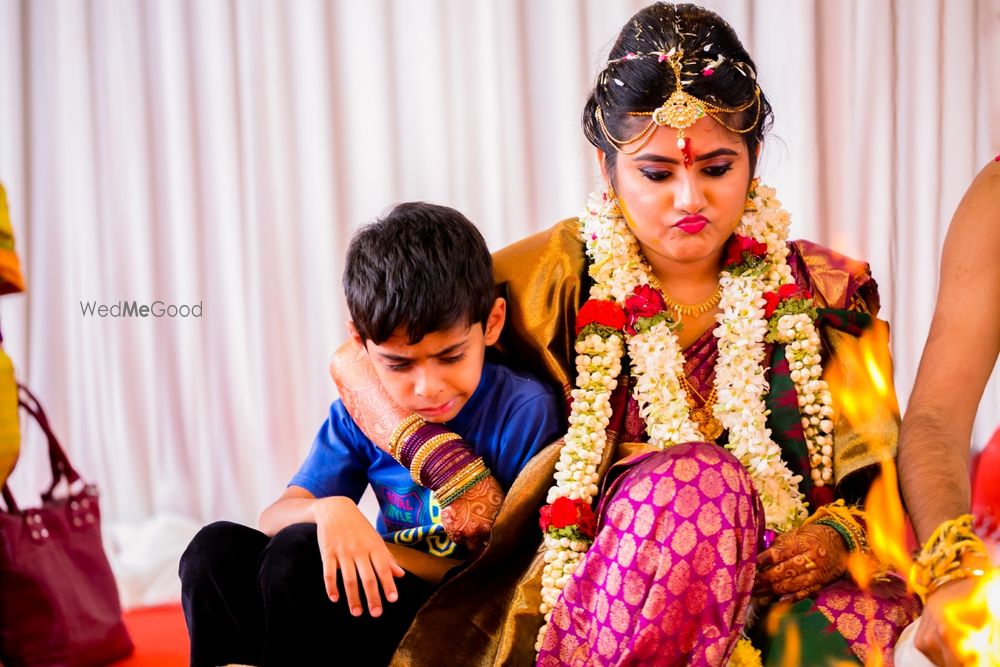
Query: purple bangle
(441, 459)
(444, 463)
(417, 440)
(461, 460)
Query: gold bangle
(462, 482)
(955, 575)
(463, 472)
(425, 450)
(397, 433)
(405, 437)
(946, 555)
(444, 501)
(468, 471)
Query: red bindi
(688, 159)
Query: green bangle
(841, 530)
(460, 491)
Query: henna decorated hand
(363, 395)
(469, 519)
(801, 562)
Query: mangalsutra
(702, 415)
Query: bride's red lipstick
(691, 224)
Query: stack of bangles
(952, 552)
(849, 522)
(437, 458)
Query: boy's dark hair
(422, 266)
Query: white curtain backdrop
(221, 153)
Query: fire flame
(887, 540)
(861, 384)
(793, 643)
(873, 658)
(975, 623)
(887, 521)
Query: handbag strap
(58, 461)
(8, 498)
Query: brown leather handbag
(59, 603)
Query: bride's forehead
(704, 136)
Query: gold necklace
(692, 310)
(702, 415)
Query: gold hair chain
(680, 111)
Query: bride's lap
(671, 567)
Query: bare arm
(295, 505)
(961, 350)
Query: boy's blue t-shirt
(507, 420)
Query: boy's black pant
(253, 600)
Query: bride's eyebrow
(654, 157)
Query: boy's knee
(291, 556)
(214, 546)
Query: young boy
(419, 287)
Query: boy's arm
(467, 520)
(347, 544)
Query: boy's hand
(350, 545)
(469, 519)
(367, 401)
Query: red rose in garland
(563, 513)
(770, 303)
(587, 521)
(737, 246)
(644, 302)
(792, 291)
(784, 293)
(605, 313)
(566, 513)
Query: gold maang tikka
(680, 111)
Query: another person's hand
(469, 519)
(367, 401)
(934, 638)
(800, 562)
(349, 544)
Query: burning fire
(975, 623)
(862, 384)
(887, 521)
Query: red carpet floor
(160, 637)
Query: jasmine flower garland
(756, 276)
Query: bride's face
(684, 214)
